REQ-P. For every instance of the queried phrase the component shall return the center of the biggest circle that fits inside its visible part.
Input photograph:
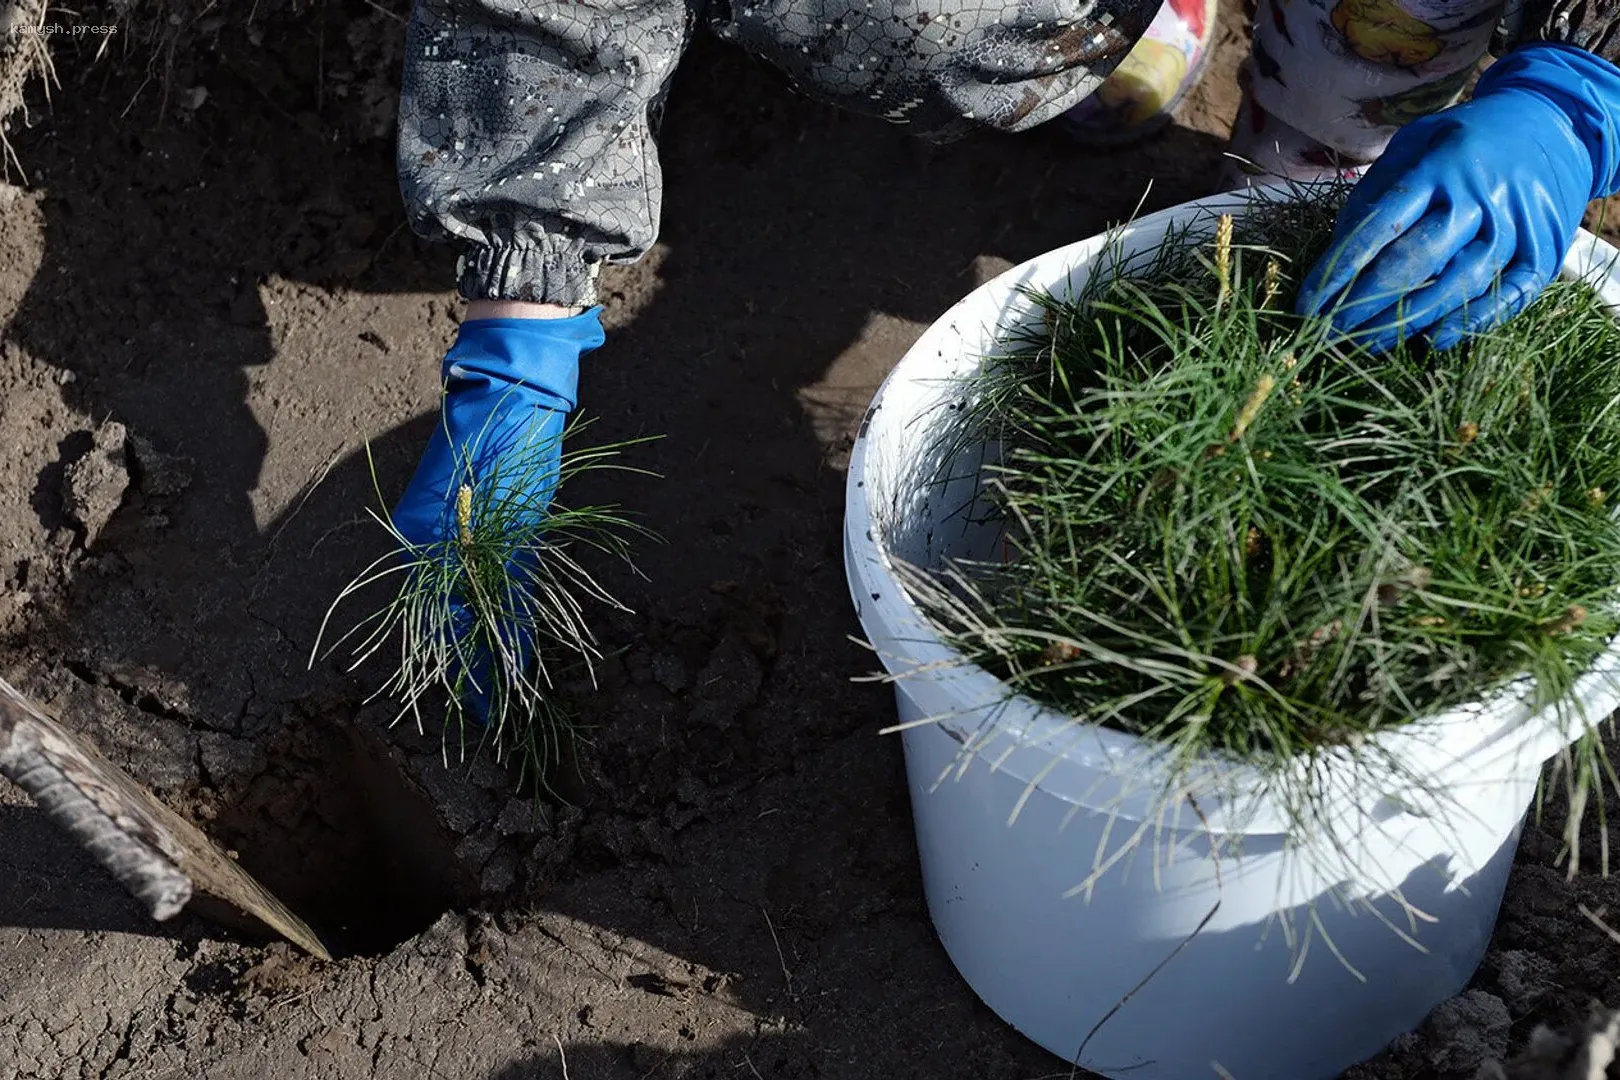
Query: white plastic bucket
(1054, 966)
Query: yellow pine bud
(1272, 284)
(1251, 408)
(464, 514)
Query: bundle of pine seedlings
(486, 624)
(1241, 536)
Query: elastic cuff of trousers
(537, 274)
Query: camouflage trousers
(527, 127)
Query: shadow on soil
(43, 878)
(823, 1042)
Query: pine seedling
(496, 609)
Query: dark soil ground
(211, 302)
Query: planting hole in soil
(349, 842)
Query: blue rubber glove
(1469, 213)
(509, 387)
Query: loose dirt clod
(1468, 1031)
(156, 473)
(1523, 979)
(93, 487)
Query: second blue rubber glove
(509, 387)
(1469, 213)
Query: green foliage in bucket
(517, 577)
(1236, 534)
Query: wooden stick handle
(139, 867)
(153, 852)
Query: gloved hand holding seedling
(488, 587)
(484, 485)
